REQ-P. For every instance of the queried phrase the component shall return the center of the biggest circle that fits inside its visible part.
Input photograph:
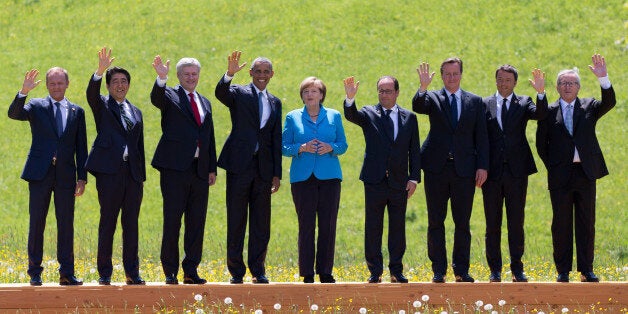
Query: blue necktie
(454, 111)
(569, 119)
(260, 105)
(504, 113)
(59, 119)
(390, 127)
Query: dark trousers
(314, 198)
(439, 188)
(378, 197)
(574, 204)
(118, 191)
(40, 193)
(512, 191)
(184, 193)
(247, 195)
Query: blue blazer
(70, 148)
(298, 129)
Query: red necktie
(197, 115)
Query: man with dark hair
(117, 161)
(454, 157)
(510, 164)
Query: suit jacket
(469, 140)
(299, 128)
(70, 149)
(511, 145)
(237, 152)
(108, 148)
(180, 133)
(556, 146)
(398, 159)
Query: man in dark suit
(567, 144)
(510, 164)
(117, 161)
(252, 158)
(55, 161)
(390, 172)
(455, 160)
(186, 160)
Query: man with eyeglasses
(390, 172)
(567, 144)
(455, 160)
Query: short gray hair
(573, 71)
(262, 60)
(184, 62)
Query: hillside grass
(331, 40)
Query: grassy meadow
(331, 40)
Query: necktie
(504, 113)
(59, 119)
(569, 119)
(390, 127)
(197, 115)
(125, 118)
(454, 111)
(260, 105)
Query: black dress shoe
(464, 278)
(308, 279)
(398, 278)
(519, 276)
(438, 278)
(194, 279)
(36, 280)
(236, 280)
(104, 280)
(260, 279)
(172, 280)
(589, 276)
(495, 277)
(326, 278)
(562, 277)
(135, 280)
(375, 279)
(69, 280)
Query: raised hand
(30, 81)
(539, 80)
(161, 68)
(104, 60)
(425, 77)
(351, 86)
(599, 66)
(234, 59)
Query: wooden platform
(609, 297)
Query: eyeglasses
(568, 84)
(385, 91)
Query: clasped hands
(315, 147)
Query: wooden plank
(385, 297)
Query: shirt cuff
(20, 95)
(97, 77)
(160, 82)
(605, 83)
(227, 78)
(540, 95)
(349, 102)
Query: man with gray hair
(567, 144)
(252, 158)
(186, 159)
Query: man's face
(261, 75)
(568, 87)
(188, 77)
(451, 76)
(505, 82)
(57, 83)
(118, 87)
(387, 93)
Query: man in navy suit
(117, 161)
(252, 158)
(186, 159)
(567, 143)
(390, 172)
(510, 164)
(55, 161)
(454, 157)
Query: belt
(125, 158)
(450, 156)
(54, 160)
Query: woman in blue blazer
(314, 137)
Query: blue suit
(315, 184)
(69, 152)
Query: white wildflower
(564, 310)
(479, 303)
(417, 304)
(228, 301)
(198, 297)
(362, 310)
(314, 307)
(501, 302)
(488, 307)
(425, 298)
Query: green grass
(331, 40)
